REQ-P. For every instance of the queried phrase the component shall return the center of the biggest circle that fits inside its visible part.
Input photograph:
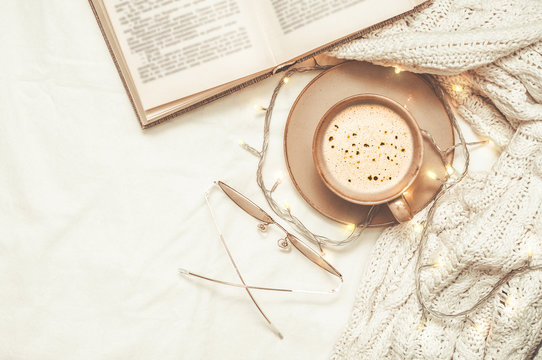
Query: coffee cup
(368, 149)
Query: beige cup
(394, 197)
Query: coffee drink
(368, 147)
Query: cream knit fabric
(489, 223)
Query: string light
(350, 227)
(323, 253)
(259, 107)
(530, 253)
(450, 170)
(421, 326)
(278, 179)
(286, 205)
(439, 262)
(418, 227)
(457, 88)
(320, 239)
(432, 175)
(511, 302)
(248, 148)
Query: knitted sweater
(489, 223)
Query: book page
(299, 26)
(176, 48)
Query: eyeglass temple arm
(184, 272)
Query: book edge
(142, 122)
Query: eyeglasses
(254, 210)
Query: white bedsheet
(96, 216)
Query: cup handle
(400, 209)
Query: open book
(175, 55)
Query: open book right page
(299, 26)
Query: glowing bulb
(286, 205)
(450, 170)
(431, 174)
(397, 69)
(279, 176)
(350, 227)
(323, 254)
(530, 252)
(479, 327)
(418, 228)
(285, 80)
(439, 262)
(457, 88)
(241, 142)
(421, 326)
(511, 302)
(259, 107)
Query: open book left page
(175, 48)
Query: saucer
(353, 78)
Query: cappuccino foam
(368, 147)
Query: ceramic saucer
(345, 80)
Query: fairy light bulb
(457, 88)
(350, 227)
(511, 302)
(286, 205)
(240, 142)
(418, 227)
(439, 262)
(259, 107)
(450, 170)
(432, 175)
(278, 179)
(285, 80)
(529, 252)
(491, 143)
(397, 69)
(279, 176)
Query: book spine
(112, 53)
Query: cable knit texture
(489, 223)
